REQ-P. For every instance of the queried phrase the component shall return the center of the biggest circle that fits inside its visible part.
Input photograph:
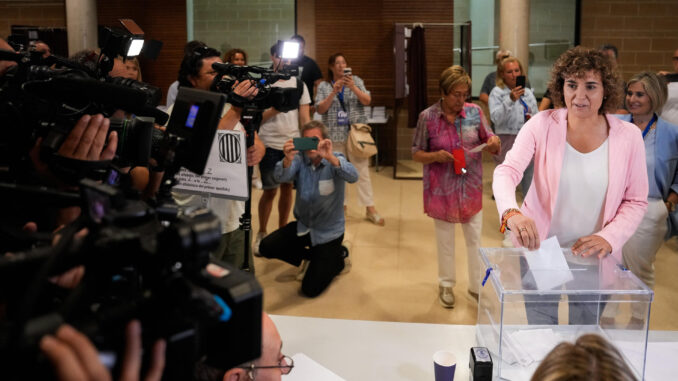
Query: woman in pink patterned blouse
(453, 174)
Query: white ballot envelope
(478, 148)
(548, 265)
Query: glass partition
(249, 25)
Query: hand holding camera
(519, 89)
(290, 151)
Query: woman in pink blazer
(590, 182)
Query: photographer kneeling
(317, 233)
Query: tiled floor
(394, 274)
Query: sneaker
(257, 242)
(345, 249)
(302, 272)
(446, 296)
(507, 240)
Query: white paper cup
(444, 365)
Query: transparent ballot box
(527, 307)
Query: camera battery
(480, 363)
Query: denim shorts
(267, 166)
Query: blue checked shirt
(319, 205)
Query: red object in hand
(459, 160)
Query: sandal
(375, 218)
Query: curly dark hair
(575, 62)
(228, 57)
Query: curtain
(416, 76)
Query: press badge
(342, 118)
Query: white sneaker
(257, 242)
(507, 239)
(302, 272)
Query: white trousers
(446, 264)
(362, 165)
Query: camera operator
(277, 128)
(74, 357)
(197, 72)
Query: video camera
(282, 99)
(44, 97)
(149, 262)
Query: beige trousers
(447, 276)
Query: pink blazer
(544, 137)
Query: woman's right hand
(517, 92)
(525, 230)
(443, 156)
(338, 85)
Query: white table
(370, 350)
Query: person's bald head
(271, 354)
(5, 65)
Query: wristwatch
(670, 205)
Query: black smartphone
(305, 144)
(520, 81)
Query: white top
(227, 211)
(581, 194)
(670, 110)
(285, 125)
(509, 116)
(172, 94)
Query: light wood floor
(394, 274)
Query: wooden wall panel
(160, 20)
(363, 31)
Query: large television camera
(141, 260)
(282, 99)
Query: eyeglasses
(459, 95)
(284, 369)
(675, 58)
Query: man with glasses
(271, 365)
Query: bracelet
(508, 213)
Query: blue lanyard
(647, 128)
(525, 108)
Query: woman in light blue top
(645, 95)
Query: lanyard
(647, 128)
(525, 108)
